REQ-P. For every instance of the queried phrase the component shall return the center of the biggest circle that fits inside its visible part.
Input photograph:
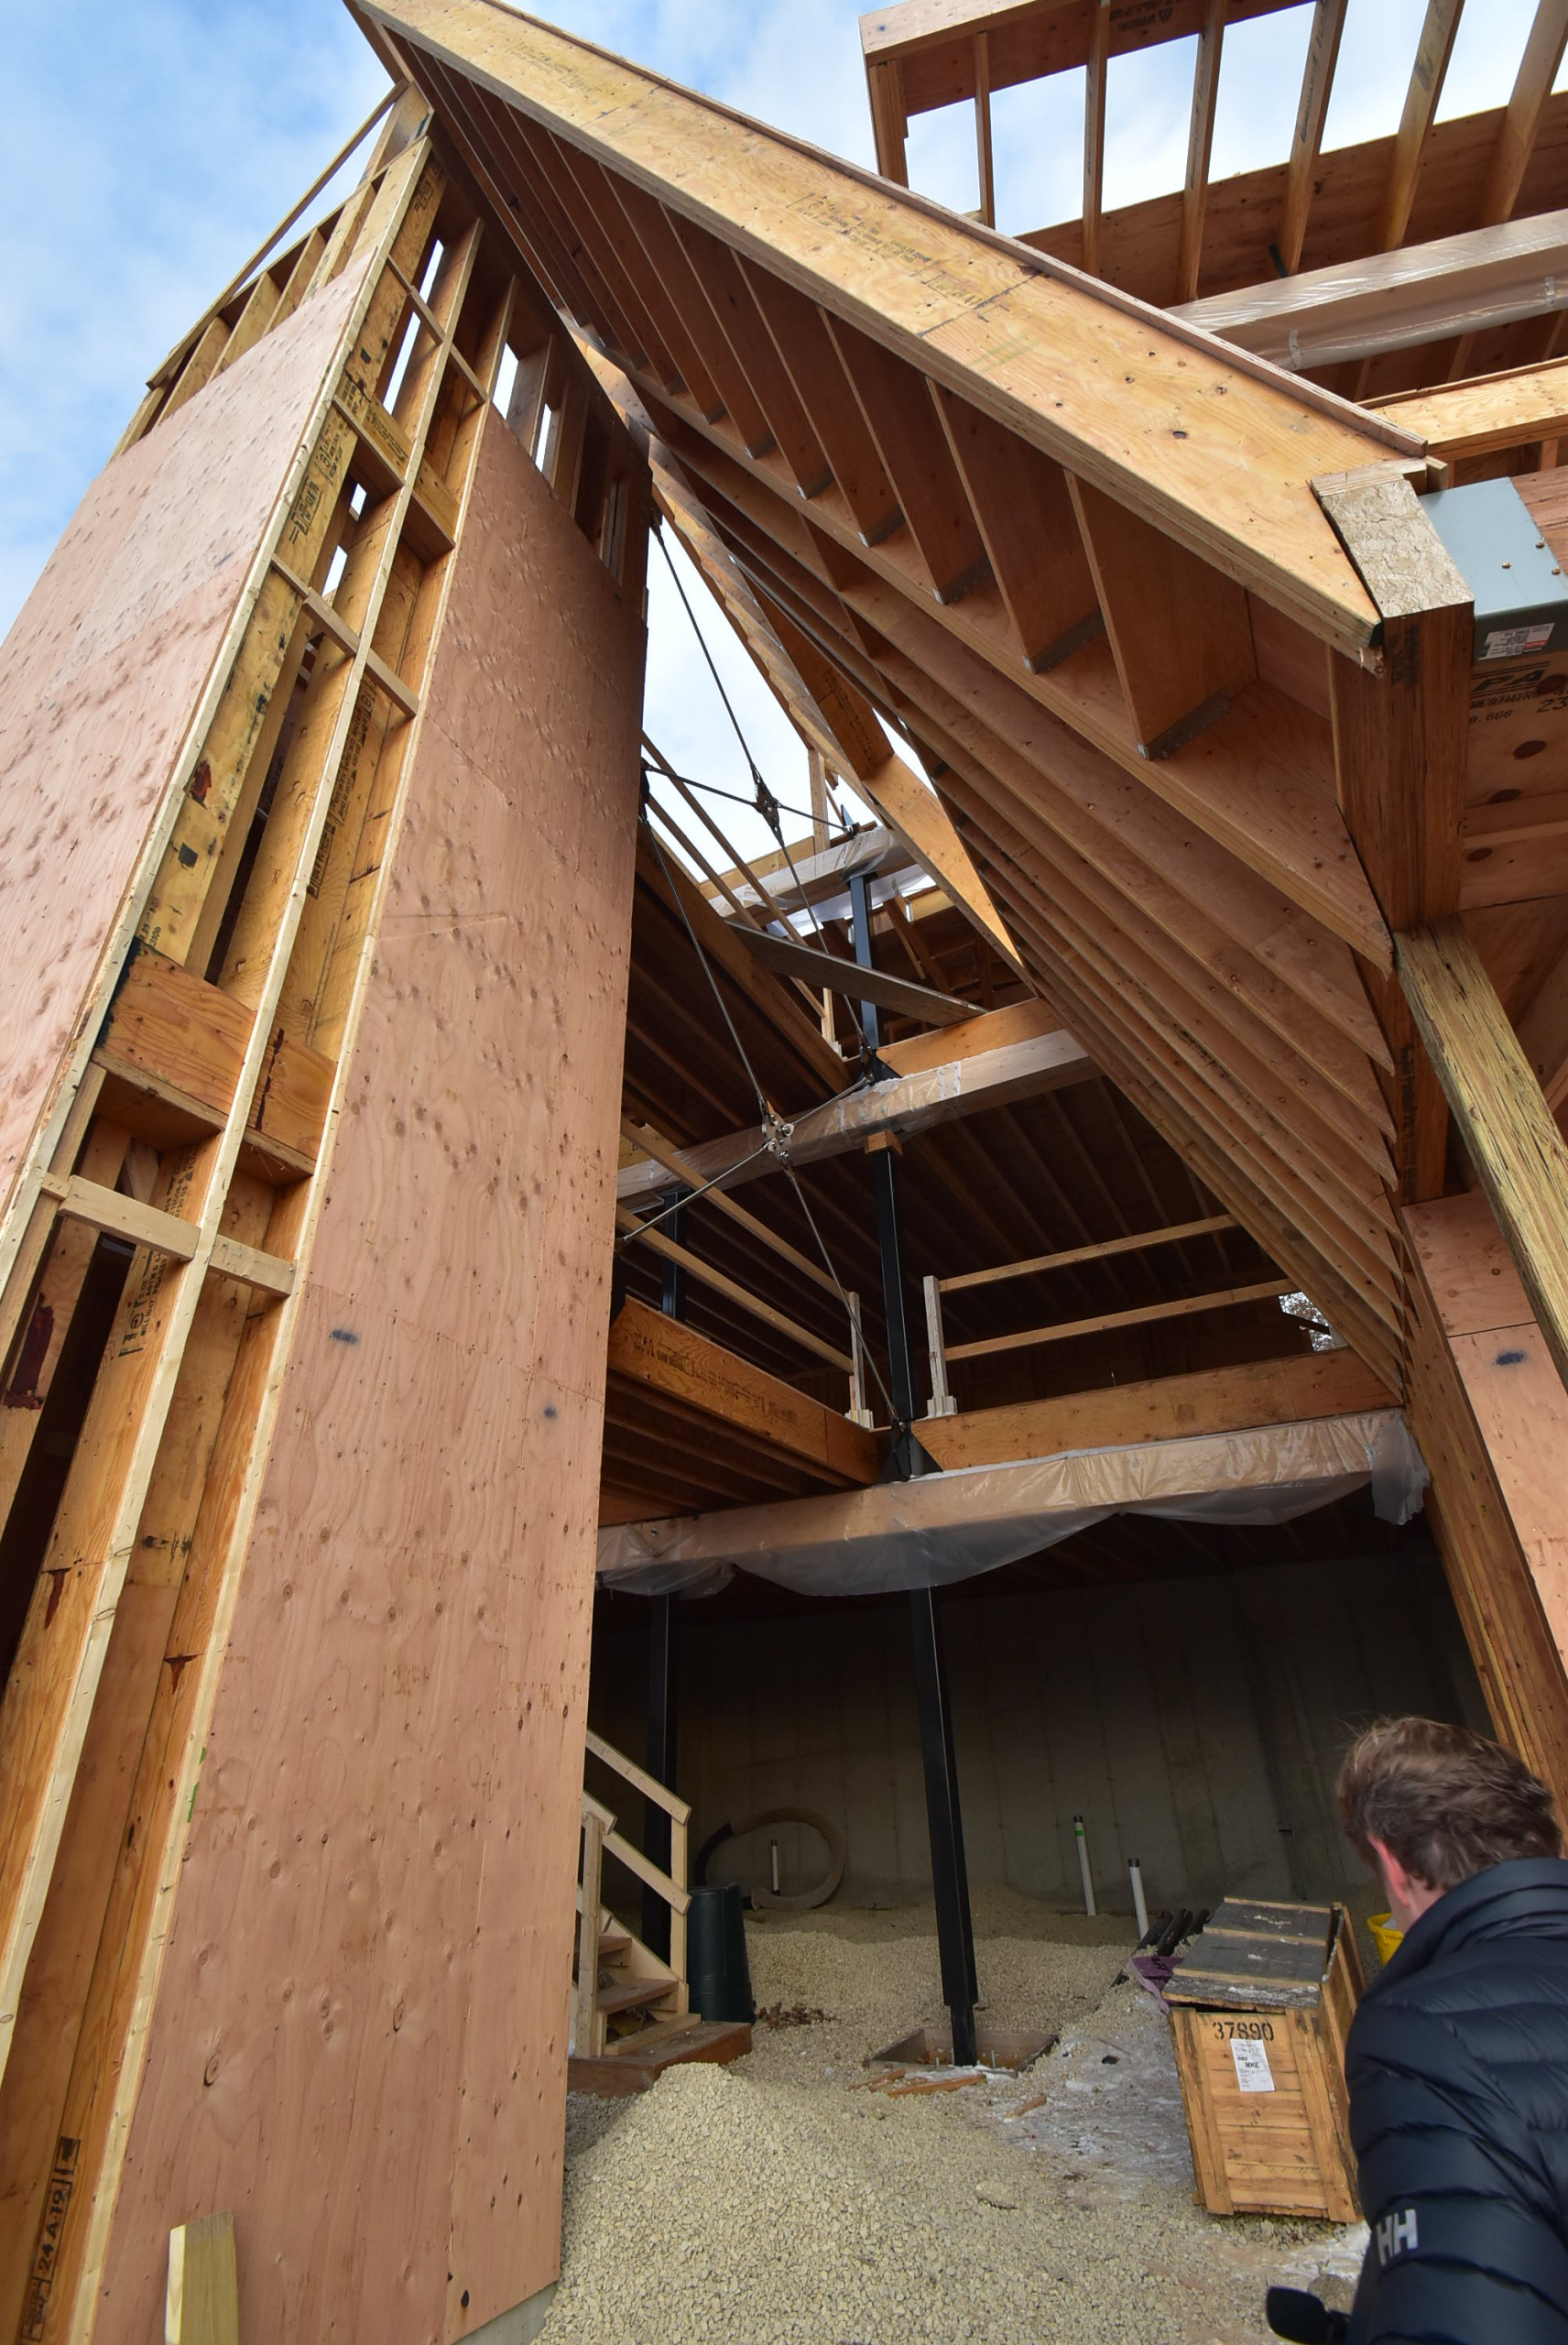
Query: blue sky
(163, 137)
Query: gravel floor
(782, 2199)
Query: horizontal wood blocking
(172, 1050)
(1212, 1401)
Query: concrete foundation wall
(1197, 1725)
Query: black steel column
(950, 1874)
(662, 1691)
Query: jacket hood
(1527, 1897)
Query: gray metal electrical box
(1522, 596)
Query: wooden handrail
(675, 1897)
(640, 1779)
(629, 1225)
(1121, 1319)
(1139, 1238)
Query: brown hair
(1447, 1802)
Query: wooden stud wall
(276, 812)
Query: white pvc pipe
(1082, 1839)
(1140, 1904)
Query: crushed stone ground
(781, 2199)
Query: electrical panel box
(1522, 596)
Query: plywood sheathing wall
(101, 672)
(359, 2038)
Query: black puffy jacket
(1457, 2065)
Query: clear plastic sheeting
(947, 1527)
(1399, 1474)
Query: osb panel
(101, 674)
(359, 2039)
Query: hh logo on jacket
(1397, 2236)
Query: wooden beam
(1519, 1153)
(1001, 1056)
(1521, 118)
(1401, 743)
(1479, 417)
(1397, 300)
(1211, 1400)
(1317, 81)
(919, 817)
(1200, 146)
(1065, 1329)
(1174, 1236)
(1427, 75)
(894, 994)
(665, 1357)
(1488, 1408)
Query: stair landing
(622, 2073)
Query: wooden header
(934, 39)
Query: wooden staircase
(631, 2016)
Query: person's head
(1428, 1805)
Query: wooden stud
(1094, 130)
(1200, 146)
(201, 2306)
(986, 165)
(1521, 118)
(889, 121)
(1432, 53)
(1317, 81)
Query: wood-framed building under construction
(430, 1147)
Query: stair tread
(626, 1996)
(614, 1942)
(647, 2039)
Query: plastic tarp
(945, 1527)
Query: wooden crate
(1260, 2009)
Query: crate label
(1252, 2073)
